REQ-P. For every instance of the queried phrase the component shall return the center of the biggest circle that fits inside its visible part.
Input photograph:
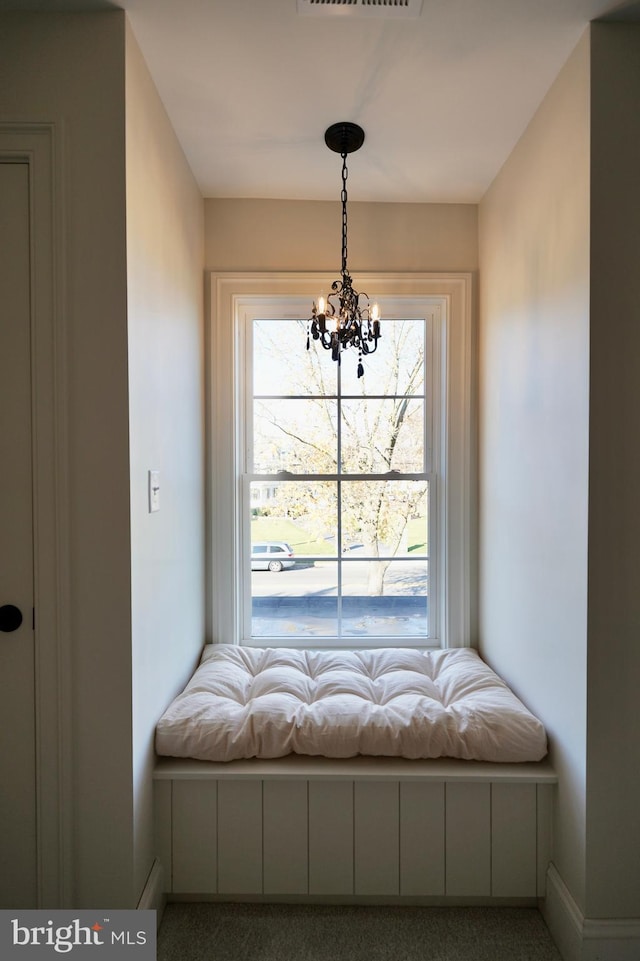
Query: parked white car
(271, 556)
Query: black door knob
(10, 618)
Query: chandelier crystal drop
(347, 318)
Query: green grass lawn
(281, 529)
(416, 535)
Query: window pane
(397, 366)
(382, 435)
(281, 365)
(296, 584)
(385, 598)
(379, 599)
(385, 518)
(294, 435)
(301, 514)
(301, 600)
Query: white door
(18, 871)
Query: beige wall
(69, 70)
(130, 272)
(306, 235)
(534, 408)
(613, 746)
(166, 424)
(559, 457)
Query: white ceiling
(251, 85)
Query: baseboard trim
(387, 900)
(584, 939)
(562, 916)
(614, 930)
(153, 897)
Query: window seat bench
(385, 829)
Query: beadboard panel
(331, 837)
(240, 837)
(513, 840)
(422, 847)
(195, 836)
(468, 840)
(385, 838)
(377, 834)
(162, 829)
(544, 835)
(286, 837)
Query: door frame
(40, 145)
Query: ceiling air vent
(361, 8)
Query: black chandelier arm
(326, 339)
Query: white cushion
(248, 702)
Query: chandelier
(346, 318)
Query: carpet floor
(285, 932)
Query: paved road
(402, 577)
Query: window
(340, 505)
(348, 462)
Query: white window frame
(234, 299)
(429, 310)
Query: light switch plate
(154, 491)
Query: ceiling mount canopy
(344, 137)
(354, 322)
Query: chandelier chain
(343, 198)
